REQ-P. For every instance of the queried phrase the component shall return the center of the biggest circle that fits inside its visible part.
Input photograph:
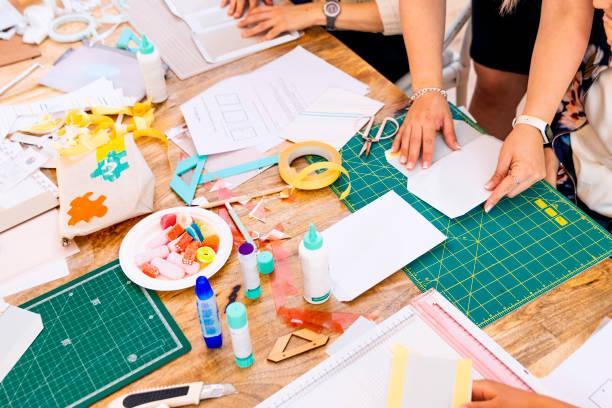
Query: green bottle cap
(265, 262)
(236, 315)
(253, 293)
(313, 240)
(245, 362)
(146, 47)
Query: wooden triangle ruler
(279, 352)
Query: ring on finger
(516, 180)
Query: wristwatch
(537, 123)
(331, 9)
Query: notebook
(359, 374)
(32, 196)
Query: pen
(19, 78)
(239, 224)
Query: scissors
(380, 134)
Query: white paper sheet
(454, 184)
(585, 378)
(9, 15)
(396, 234)
(465, 135)
(356, 330)
(252, 109)
(19, 328)
(333, 118)
(20, 263)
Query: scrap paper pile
(253, 110)
(100, 93)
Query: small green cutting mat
(491, 264)
(101, 332)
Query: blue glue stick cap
(203, 289)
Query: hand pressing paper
(454, 184)
(374, 242)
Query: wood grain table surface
(540, 335)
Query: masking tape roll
(88, 31)
(308, 178)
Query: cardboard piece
(14, 50)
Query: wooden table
(540, 335)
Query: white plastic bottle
(314, 257)
(152, 71)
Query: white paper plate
(136, 239)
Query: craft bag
(107, 185)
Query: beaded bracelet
(424, 91)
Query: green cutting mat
(101, 333)
(491, 264)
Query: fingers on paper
(429, 137)
(448, 132)
(414, 149)
(397, 142)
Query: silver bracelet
(424, 91)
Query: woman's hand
(490, 394)
(275, 20)
(427, 115)
(236, 8)
(521, 163)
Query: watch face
(549, 134)
(331, 9)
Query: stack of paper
(433, 382)
(216, 34)
(374, 242)
(454, 184)
(333, 118)
(252, 109)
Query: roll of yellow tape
(308, 178)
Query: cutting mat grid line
(101, 332)
(491, 264)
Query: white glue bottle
(152, 71)
(314, 257)
(239, 332)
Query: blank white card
(374, 242)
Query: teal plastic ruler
(101, 333)
(491, 264)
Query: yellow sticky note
(561, 221)
(550, 212)
(541, 203)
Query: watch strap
(535, 122)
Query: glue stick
(152, 71)
(208, 313)
(239, 332)
(250, 274)
(314, 258)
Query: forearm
(354, 16)
(563, 36)
(423, 27)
